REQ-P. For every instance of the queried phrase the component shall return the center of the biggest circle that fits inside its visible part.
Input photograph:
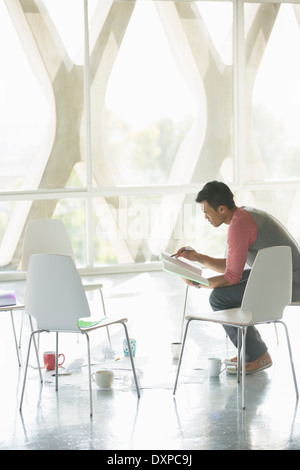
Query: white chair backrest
(54, 293)
(269, 287)
(47, 236)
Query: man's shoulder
(243, 215)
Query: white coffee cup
(103, 378)
(214, 366)
(176, 349)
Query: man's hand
(187, 253)
(192, 283)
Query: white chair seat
(233, 316)
(94, 325)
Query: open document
(182, 268)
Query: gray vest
(270, 232)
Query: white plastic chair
(49, 236)
(56, 299)
(268, 292)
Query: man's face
(215, 217)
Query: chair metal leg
(104, 311)
(36, 347)
(184, 310)
(244, 332)
(102, 300)
(25, 372)
(180, 357)
(56, 362)
(89, 371)
(291, 357)
(21, 329)
(26, 367)
(239, 346)
(276, 332)
(132, 361)
(14, 332)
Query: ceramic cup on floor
(176, 349)
(49, 360)
(103, 378)
(214, 366)
(132, 342)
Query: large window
(272, 92)
(115, 113)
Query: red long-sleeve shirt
(242, 232)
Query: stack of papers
(7, 298)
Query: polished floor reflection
(205, 413)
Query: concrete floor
(205, 413)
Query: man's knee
(223, 298)
(216, 300)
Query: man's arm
(213, 282)
(218, 281)
(215, 264)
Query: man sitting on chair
(249, 231)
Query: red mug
(49, 360)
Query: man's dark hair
(216, 194)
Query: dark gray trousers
(223, 298)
